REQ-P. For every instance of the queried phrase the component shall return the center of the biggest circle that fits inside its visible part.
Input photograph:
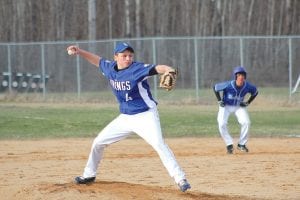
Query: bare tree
(42, 20)
(92, 19)
(109, 19)
(137, 16)
(127, 18)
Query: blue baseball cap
(122, 46)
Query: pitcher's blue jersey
(130, 85)
(233, 95)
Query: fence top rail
(152, 38)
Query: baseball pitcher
(128, 81)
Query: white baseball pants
(243, 118)
(147, 126)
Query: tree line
(56, 20)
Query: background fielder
(128, 80)
(232, 101)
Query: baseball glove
(168, 79)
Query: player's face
(240, 79)
(124, 59)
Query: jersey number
(128, 98)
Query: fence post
(290, 68)
(9, 68)
(241, 52)
(43, 69)
(196, 69)
(78, 76)
(154, 61)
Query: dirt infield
(44, 169)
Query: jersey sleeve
(253, 90)
(142, 71)
(221, 86)
(104, 66)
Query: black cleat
(82, 180)
(242, 148)
(230, 149)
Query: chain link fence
(44, 71)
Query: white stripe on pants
(147, 126)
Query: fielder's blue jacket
(233, 95)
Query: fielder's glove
(221, 103)
(244, 104)
(168, 79)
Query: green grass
(201, 121)
(272, 113)
(39, 121)
(44, 120)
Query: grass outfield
(45, 120)
(64, 115)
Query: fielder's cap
(122, 46)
